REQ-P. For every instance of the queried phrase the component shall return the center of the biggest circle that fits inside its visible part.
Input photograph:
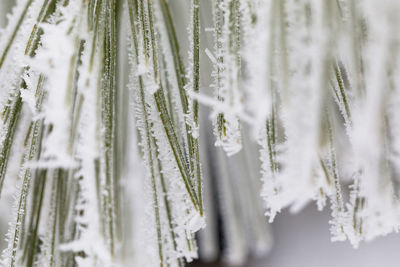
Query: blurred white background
(303, 240)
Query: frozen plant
(114, 113)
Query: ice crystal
(104, 140)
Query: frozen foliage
(173, 181)
(227, 35)
(101, 125)
(330, 83)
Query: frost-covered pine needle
(104, 141)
